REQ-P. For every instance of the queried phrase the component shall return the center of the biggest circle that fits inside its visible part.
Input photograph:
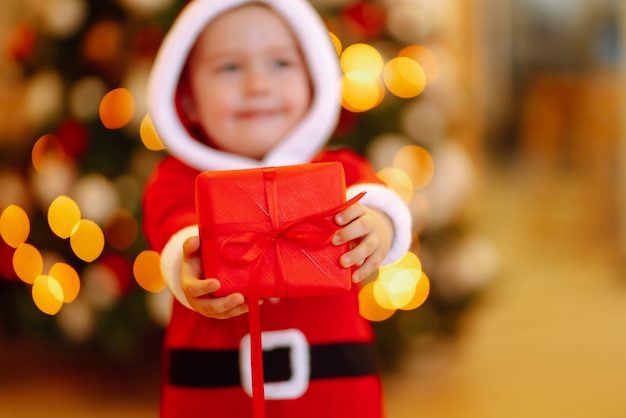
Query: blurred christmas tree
(67, 129)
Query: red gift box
(271, 227)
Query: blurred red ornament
(20, 42)
(365, 20)
(347, 123)
(147, 41)
(122, 269)
(73, 137)
(6, 262)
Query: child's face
(248, 82)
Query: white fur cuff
(171, 261)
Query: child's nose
(257, 81)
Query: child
(247, 84)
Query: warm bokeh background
(517, 104)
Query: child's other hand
(198, 290)
(372, 232)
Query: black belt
(220, 368)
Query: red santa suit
(318, 358)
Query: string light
(14, 225)
(47, 295)
(117, 108)
(149, 136)
(147, 271)
(87, 240)
(63, 215)
(27, 263)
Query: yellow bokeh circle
(47, 295)
(425, 58)
(27, 263)
(409, 261)
(362, 58)
(397, 180)
(404, 77)
(117, 108)
(422, 289)
(369, 308)
(336, 43)
(68, 279)
(63, 215)
(361, 92)
(87, 240)
(147, 271)
(149, 136)
(14, 226)
(417, 163)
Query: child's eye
(229, 68)
(282, 63)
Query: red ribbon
(258, 243)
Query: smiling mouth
(257, 114)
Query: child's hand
(372, 232)
(198, 290)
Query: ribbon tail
(256, 351)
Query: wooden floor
(546, 339)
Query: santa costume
(319, 360)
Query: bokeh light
(63, 215)
(121, 270)
(117, 108)
(410, 261)
(87, 240)
(422, 290)
(77, 320)
(73, 137)
(149, 135)
(48, 84)
(14, 225)
(55, 178)
(84, 97)
(47, 295)
(361, 92)
(417, 163)
(401, 285)
(362, 58)
(67, 278)
(46, 146)
(404, 77)
(147, 271)
(336, 43)
(121, 229)
(6, 262)
(369, 308)
(96, 196)
(27, 263)
(20, 41)
(62, 18)
(425, 58)
(397, 180)
(100, 286)
(102, 42)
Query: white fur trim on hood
(303, 143)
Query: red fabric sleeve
(357, 168)
(168, 201)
